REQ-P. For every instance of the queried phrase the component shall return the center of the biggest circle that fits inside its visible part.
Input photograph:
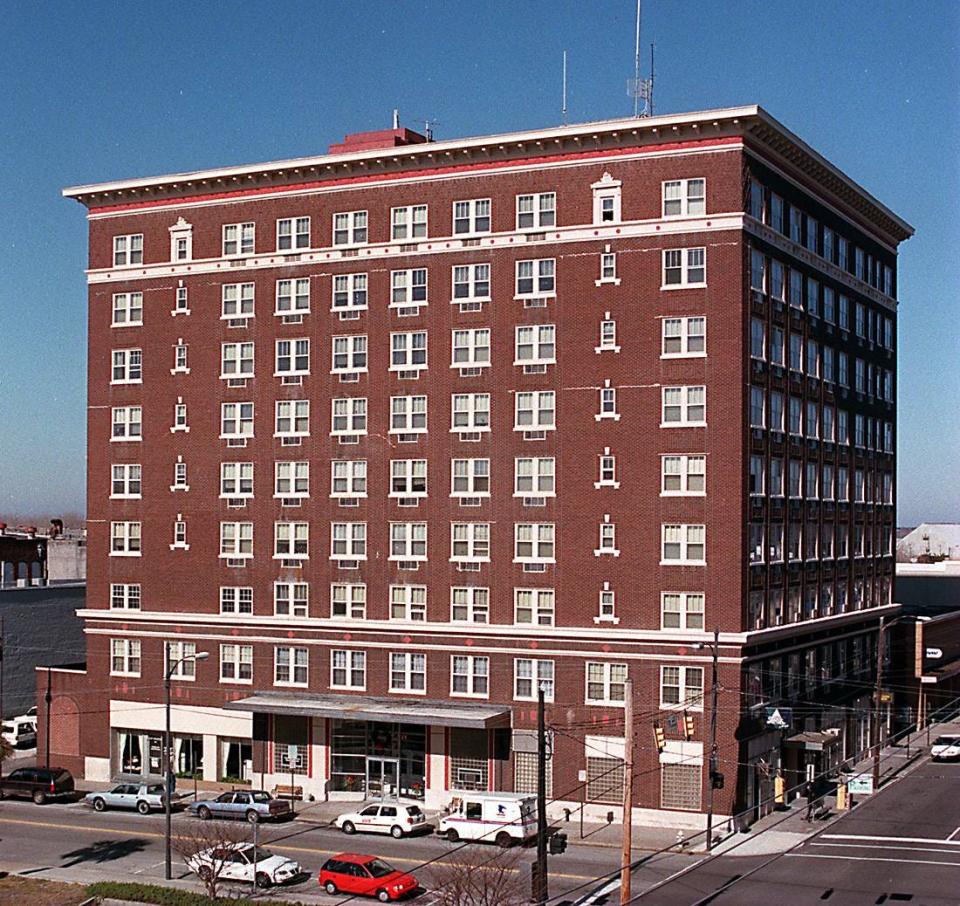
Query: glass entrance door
(382, 776)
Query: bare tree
(205, 846)
(480, 876)
(6, 750)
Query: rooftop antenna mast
(638, 88)
(396, 117)
(564, 110)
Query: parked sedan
(249, 805)
(244, 862)
(385, 818)
(365, 875)
(144, 797)
(946, 748)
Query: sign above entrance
(860, 783)
(780, 718)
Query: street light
(168, 761)
(713, 773)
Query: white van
(20, 731)
(501, 818)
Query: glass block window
(525, 773)
(605, 780)
(680, 786)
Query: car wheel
(253, 816)
(348, 827)
(330, 888)
(452, 836)
(205, 873)
(263, 880)
(396, 832)
(39, 797)
(503, 840)
(99, 805)
(383, 896)
(143, 807)
(203, 813)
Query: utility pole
(47, 699)
(626, 854)
(1, 661)
(167, 804)
(539, 879)
(713, 740)
(876, 714)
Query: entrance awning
(435, 713)
(813, 741)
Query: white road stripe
(882, 839)
(916, 849)
(871, 859)
(954, 834)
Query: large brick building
(398, 432)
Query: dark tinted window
(378, 868)
(334, 865)
(388, 811)
(225, 797)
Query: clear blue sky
(95, 91)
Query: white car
(946, 748)
(20, 731)
(236, 862)
(385, 818)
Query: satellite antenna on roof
(638, 88)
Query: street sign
(780, 718)
(293, 756)
(934, 653)
(886, 697)
(860, 784)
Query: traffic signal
(658, 735)
(688, 726)
(558, 844)
(716, 780)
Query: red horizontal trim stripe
(433, 171)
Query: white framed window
(536, 211)
(125, 481)
(608, 268)
(684, 267)
(606, 200)
(530, 675)
(470, 542)
(684, 338)
(408, 415)
(237, 300)
(236, 480)
(534, 606)
(683, 475)
(470, 348)
(236, 540)
(236, 663)
(608, 335)
(682, 544)
(471, 216)
(535, 410)
(180, 304)
(470, 412)
(684, 406)
(605, 683)
(681, 687)
(348, 669)
(607, 606)
(471, 284)
(127, 310)
(180, 534)
(536, 278)
(348, 478)
(608, 403)
(293, 358)
(180, 358)
(408, 672)
(292, 418)
(238, 238)
(681, 610)
(607, 470)
(684, 197)
(470, 478)
(608, 539)
(408, 289)
(124, 596)
(290, 665)
(127, 366)
(292, 297)
(293, 233)
(349, 354)
(128, 249)
(469, 675)
(469, 604)
(409, 222)
(127, 422)
(348, 416)
(181, 245)
(125, 657)
(534, 542)
(408, 478)
(349, 293)
(125, 539)
(236, 360)
(535, 344)
(291, 540)
(348, 600)
(236, 421)
(348, 540)
(350, 228)
(236, 599)
(408, 602)
(534, 476)
(408, 351)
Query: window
(470, 542)
(796, 352)
(796, 222)
(127, 310)
(829, 305)
(606, 200)
(291, 540)
(776, 411)
(236, 599)
(607, 609)
(684, 267)
(470, 478)
(408, 602)
(777, 284)
(776, 346)
(755, 199)
(795, 416)
(530, 676)
(408, 415)
(758, 271)
(236, 420)
(236, 300)
(408, 288)
(236, 663)
(348, 416)
(236, 540)
(533, 542)
(470, 412)
(608, 335)
(681, 686)
(124, 657)
(680, 786)
(182, 660)
(608, 471)
(348, 669)
(238, 238)
(535, 345)
(124, 539)
(125, 597)
(757, 475)
(534, 212)
(469, 604)
(128, 250)
(180, 358)
(236, 479)
(683, 475)
(776, 477)
(684, 197)
(796, 289)
(608, 268)
(608, 403)
(349, 293)
(409, 222)
(812, 420)
(533, 606)
(408, 478)
(471, 216)
(350, 228)
(470, 348)
(293, 296)
(349, 354)
(844, 312)
(127, 423)
(469, 675)
(608, 539)
(408, 672)
(125, 481)
(683, 544)
(605, 683)
(535, 411)
(684, 337)
(348, 541)
(292, 418)
(534, 476)
(180, 305)
(684, 406)
(290, 666)
(536, 278)
(293, 358)
(236, 360)
(408, 351)
(127, 366)
(348, 478)
(471, 283)
(348, 600)
(293, 233)
(681, 610)
(757, 407)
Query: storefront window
(188, 755)
(376, 758)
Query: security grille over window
(605, 780)
(468, 773)
(283, 763)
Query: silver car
(249, 805)
(144, 797)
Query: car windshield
(262, 854)
(378, 868)
(946, 740)
(261, 797)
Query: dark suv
(38, 784)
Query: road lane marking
(954, 834)
(882, 839)
(872, 859)
(916, 849)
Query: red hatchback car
(365, 875)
